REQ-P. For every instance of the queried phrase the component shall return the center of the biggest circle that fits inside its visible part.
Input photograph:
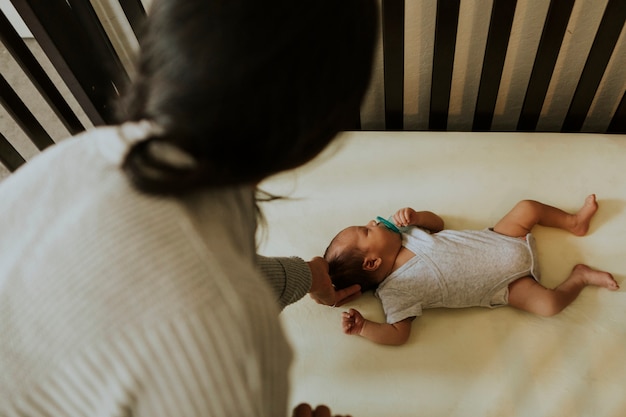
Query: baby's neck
(403, 256)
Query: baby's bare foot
(582, 219)
(593, 277)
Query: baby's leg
(528, 295)
(527, 213)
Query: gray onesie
(456, 269)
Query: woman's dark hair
(346, 268)
(245, 88)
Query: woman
(129, 283)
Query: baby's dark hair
(346, 268)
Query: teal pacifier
(387, 224)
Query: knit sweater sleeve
(289, 278)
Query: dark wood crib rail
(76, 42)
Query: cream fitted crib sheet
(470, 362)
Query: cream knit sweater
(114, 303)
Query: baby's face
(373, 239)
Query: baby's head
(345, 268)
(362, 255)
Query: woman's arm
(292, 278)
(383, 333)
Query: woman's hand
(322, 290)
(352, 322)
(305, 410)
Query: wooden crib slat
(27, 62)
(9, 156)
(446, 26)
(547, 54)
(603, 46)
(502, 14)
(72, 41)
(618, 122)
(20, 113)
(393, 57)
(135, 13)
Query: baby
(426, 266)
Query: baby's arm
(424, 219)
(387, 334)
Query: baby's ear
(371, 264)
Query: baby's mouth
(387, 224)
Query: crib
(446, 65)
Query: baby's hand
(352, 322)
(404, 217)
